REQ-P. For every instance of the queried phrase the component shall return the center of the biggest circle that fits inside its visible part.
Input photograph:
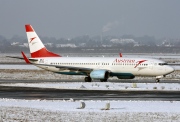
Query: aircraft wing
(81, 69)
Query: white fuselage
(116, 65)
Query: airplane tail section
(37, 48)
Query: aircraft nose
(170, 69)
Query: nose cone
(169, 69)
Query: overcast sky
(71, 18)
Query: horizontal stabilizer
(15, 57)
(22, 58)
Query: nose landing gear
(157, 80)
(103, 80)
(87, 79)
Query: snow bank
(36, 115)
(56, 110)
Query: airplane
(93, 68)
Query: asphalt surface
(81, 80)
(60, 94)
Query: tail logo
(32, 39)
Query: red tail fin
(37, 48)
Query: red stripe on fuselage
(29, 28)
(43, 53)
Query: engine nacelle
(99, 74)
(126, 77)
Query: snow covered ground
(55, 110)
(67, 110)
(22, 67)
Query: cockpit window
(161, 64)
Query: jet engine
(99, 74)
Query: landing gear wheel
(87, 79)
(103, 80)
(157, 80)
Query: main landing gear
(103, 80)
(87, 79)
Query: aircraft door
(151, 65)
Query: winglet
(120, 54)
(25, 58)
